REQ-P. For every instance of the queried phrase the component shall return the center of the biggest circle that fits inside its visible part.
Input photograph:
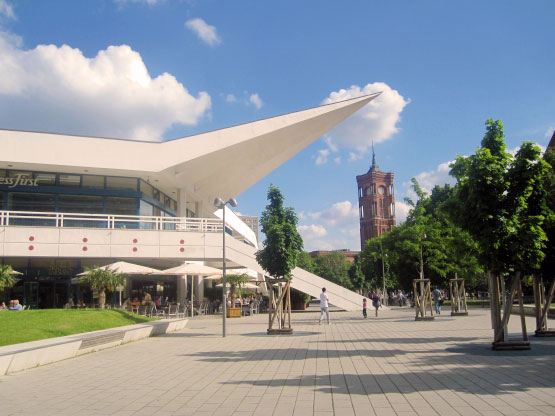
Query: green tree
(306, 262)
(503, 203)
(548, 265)
(356, 276)
(283, 242)
(481, 195)
(7, 279)
(334, 267)
(101, 279)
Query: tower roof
(374, 166)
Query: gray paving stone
(391, 365)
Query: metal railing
(103, 221)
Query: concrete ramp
(303, 281)
(312, 285)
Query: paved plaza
(391, 365)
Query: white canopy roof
(221, 163)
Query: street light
(422, 237)
(385, 297)
(219, 203)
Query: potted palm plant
(101, 280)
(235, 281)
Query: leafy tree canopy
(283, 242)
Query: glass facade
(76, 193)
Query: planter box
(233, 312)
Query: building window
(113, 182)
(360, 192)
(81, 204)
(93, 181)
(70, 180)
(148, 189)
(361, 211)
(45, 179)
(375, 209)
(23, 201)
(121, 206)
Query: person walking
(376, 301)
(437, 300)
(324, 306)
(364, 308)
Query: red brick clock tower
(376, 202)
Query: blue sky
(168, 68)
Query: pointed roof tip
(374, 164)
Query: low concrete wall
(531, 310)
(19, 357)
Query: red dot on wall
(134, 248)
(182, 249)
(85, 248)
(135, 241)
(31, 248)
(85, 239)
(31, 238)
(181, 241)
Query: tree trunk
(233, 294)
(101, 298)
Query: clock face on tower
(381, 190)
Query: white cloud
(341, 225)
(149, 2)
(255, 99)
(57, 89)
(549, 132)
(439, 176)
(6, 10)
(337, 160)
(401, 211)
(230, 98)
(322, 157)
(340, 213)
(204, 31)
(376, 121)
(310, 232)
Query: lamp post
(219, 203)
(385, 297)
(422, 237)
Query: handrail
(106, 221)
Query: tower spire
(374, 164)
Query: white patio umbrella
(192, 269)
(252, 274)
(122, 267)
(214, 277)
(16, 273)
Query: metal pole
(421, 261)
(224, 277)
(383, 277)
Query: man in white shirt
(324, 306)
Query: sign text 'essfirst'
(20, 179)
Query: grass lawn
(24, 326)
